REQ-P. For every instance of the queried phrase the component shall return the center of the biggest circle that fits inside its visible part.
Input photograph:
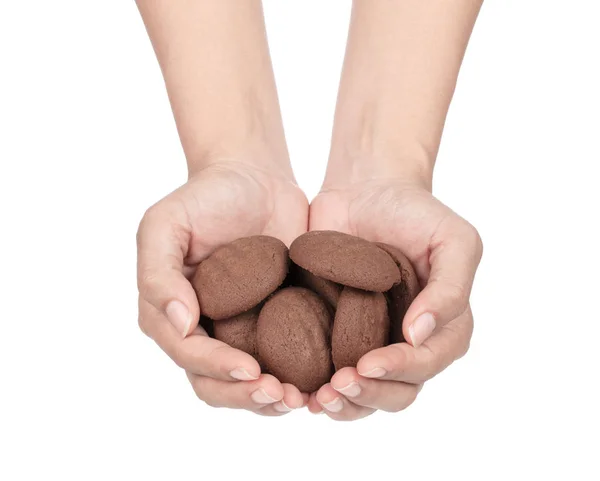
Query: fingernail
(242, 375)
(374, 373)
(282, 407)
(334, 406)
(179, 316)
(260, 396)
(351, 390)
(421, 329)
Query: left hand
(445, 251)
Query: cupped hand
(217, 205)
(445, 251)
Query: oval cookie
(361, 324)
(400, 296)
(328, 290)
(238, 276)
(239, 331)
(293, 338)
(345, 259)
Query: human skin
(215, 61)
(399, 74)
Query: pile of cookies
(305, 312)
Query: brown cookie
(400, 296)
(293, 338)
(361, 324)
(345, 259)
(328, 290)
(238, 276)
(239, 331)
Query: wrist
(248, 138)
(351, 163)
(267, 159)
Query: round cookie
(400, 296)
(345, 259)
(293, 338)
(238, 276)
(239, 331)
(328, 290)
(361, 324)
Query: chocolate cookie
(239, 331)
(361, 324)
(238, 276)
(328, 290)
(400, 296)
(293, 338)
(345, 259)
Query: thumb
(454, 258)
(162, 243)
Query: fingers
(162, 242)
(456, 250)
(292, 399)
(338, 407)
(220, 375)
(250, 395)
(197, 353)
(265, 396)
(391, 396)
(390, 378)
(403, 362)
(313, 405)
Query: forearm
(399, 74)
(217, 69)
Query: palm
(404, 215)
(224, 203)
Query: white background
(87, 143)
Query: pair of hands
(228, 200)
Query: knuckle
(178, 356)
(405, 400)
(147, 220)
(456, 294)
(463, 349)
(202, 389)
(412, 396)
(143, 326)
(342, 416)
(397, 408)
(398, 356)
(472, 234)
(201, 359)
(464, 338)
(147, 279)
(211, 403)
(430, 368)
(478, 245)
(144, 318)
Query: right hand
(220, 203)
